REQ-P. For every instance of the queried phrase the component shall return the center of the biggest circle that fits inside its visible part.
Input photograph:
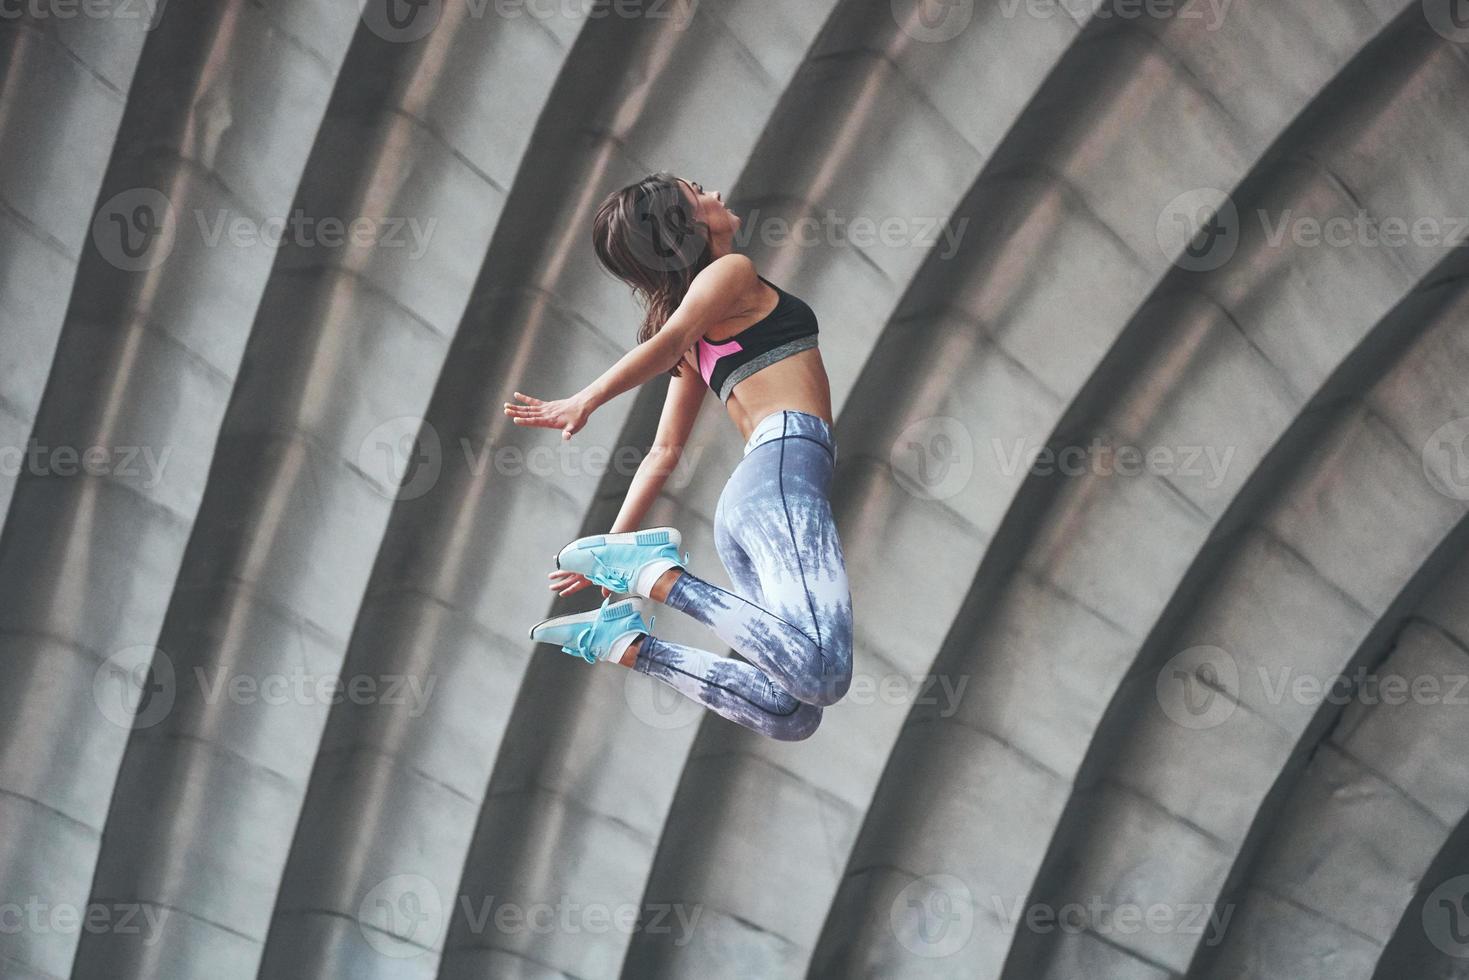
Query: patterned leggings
(792, 619)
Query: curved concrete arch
(589, 833)
(809, 161)
(1112, 821)
(755, 777)
(63, 85)
(292, 388)
(351, 335)
(146, 359)
(1053, 598)
(1131, 723)
(864, 744)
(450, 582)
(1323, 896)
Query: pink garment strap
(710, 353)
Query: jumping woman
(712, 321)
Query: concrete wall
(1188, 703)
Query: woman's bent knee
(828, 679)
(797, 726)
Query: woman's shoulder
(732, 271)
(721, 290)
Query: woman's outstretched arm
(686, 395)
(712, 297)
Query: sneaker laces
(615, 578)
(583, 645)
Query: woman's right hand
(565, 582)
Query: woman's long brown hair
(645, 234)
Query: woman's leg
(733, 689)
(729, 687)
(799, 628)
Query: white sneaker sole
(589, 617)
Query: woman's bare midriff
(797, 382)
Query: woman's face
(710, 210)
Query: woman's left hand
(566, 414)
(564, 582)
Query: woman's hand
(565, 582)
(566, 414)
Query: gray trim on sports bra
(764, 360)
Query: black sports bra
(788, 329)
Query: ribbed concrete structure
(1148, 332)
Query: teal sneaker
(597, 634)
(627, 563)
